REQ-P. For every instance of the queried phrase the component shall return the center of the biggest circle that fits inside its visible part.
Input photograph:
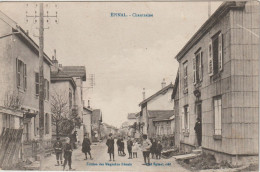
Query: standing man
(197, 129)
(146, 149)
(86, 147)
(110, 147)
(67, 154)
(129, 147)
(58, 151)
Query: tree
(63, 116)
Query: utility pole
(41, 86)
(41, 17)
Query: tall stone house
(19, 85)
(218, 82)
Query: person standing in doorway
(67, 154)
(58, 151)
(110, 147)
(198, 131)
(86, 147)
(146, 146)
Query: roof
(23, 35)
(75, 71)
(160, 115)
(61, 76)
(131, 116)
(88, 109)
(214, 18)
(156, 94)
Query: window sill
(216, 76)
(198, 85)
(186, 134)
(217, 137)
(21, 90)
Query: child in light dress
(136, 147)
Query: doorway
(199, 120)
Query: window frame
(198, 67)
(185, 76)
(37, 84)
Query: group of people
(67, 148)
(154, 147)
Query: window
(185, 119)
(197, 67)
(185, 75)
(21, 74)
(26, 132)
(37, 83)
(217, 115)
(46, 89)
(169, 130)
(215, 54)
(8, 121)
(36, 125)
(47, 124)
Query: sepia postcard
(129, 85)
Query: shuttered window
(47, 124)
(215, 54)
(197, 67)
(46, 89)
(21, 74)
(217, 116)
(185, 119)
(185, 75)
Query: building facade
(218, 83)
(159, 101)
(87, 118)
(19, 84)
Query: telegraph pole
(41, 87)
(41, 17)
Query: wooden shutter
(220, 52)
(201, 66)
(18, 73)
(24, 77)
(194, 70)
(210, 59)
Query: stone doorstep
(197, 151)
(186, 156)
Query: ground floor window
(8, 121)
(185, 119)
(217, 115)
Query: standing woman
(110, 147)
(86, 147)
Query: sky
(126, 54)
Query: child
(58, 150)
(153, 148)
(136, 146)
(110, 147)
(158, 150)
(67, 154)
(129, 147)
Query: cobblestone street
(100, 155)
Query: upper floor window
(185, 76)
(215, 54)
(21, 74)
(47, 123)
(198, 67)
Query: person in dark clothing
(73, 139)
(146, 146)
(158, 150)
(67, 154)
(129, 147)
(118, 142)
(110, 146)
(153, 148)
(123, 147)
(198, 130)
(57, 146)
(86, 147)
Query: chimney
(88, 103)
(143, 93)
(163, 83)
(55, 67)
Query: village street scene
(129, 86)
